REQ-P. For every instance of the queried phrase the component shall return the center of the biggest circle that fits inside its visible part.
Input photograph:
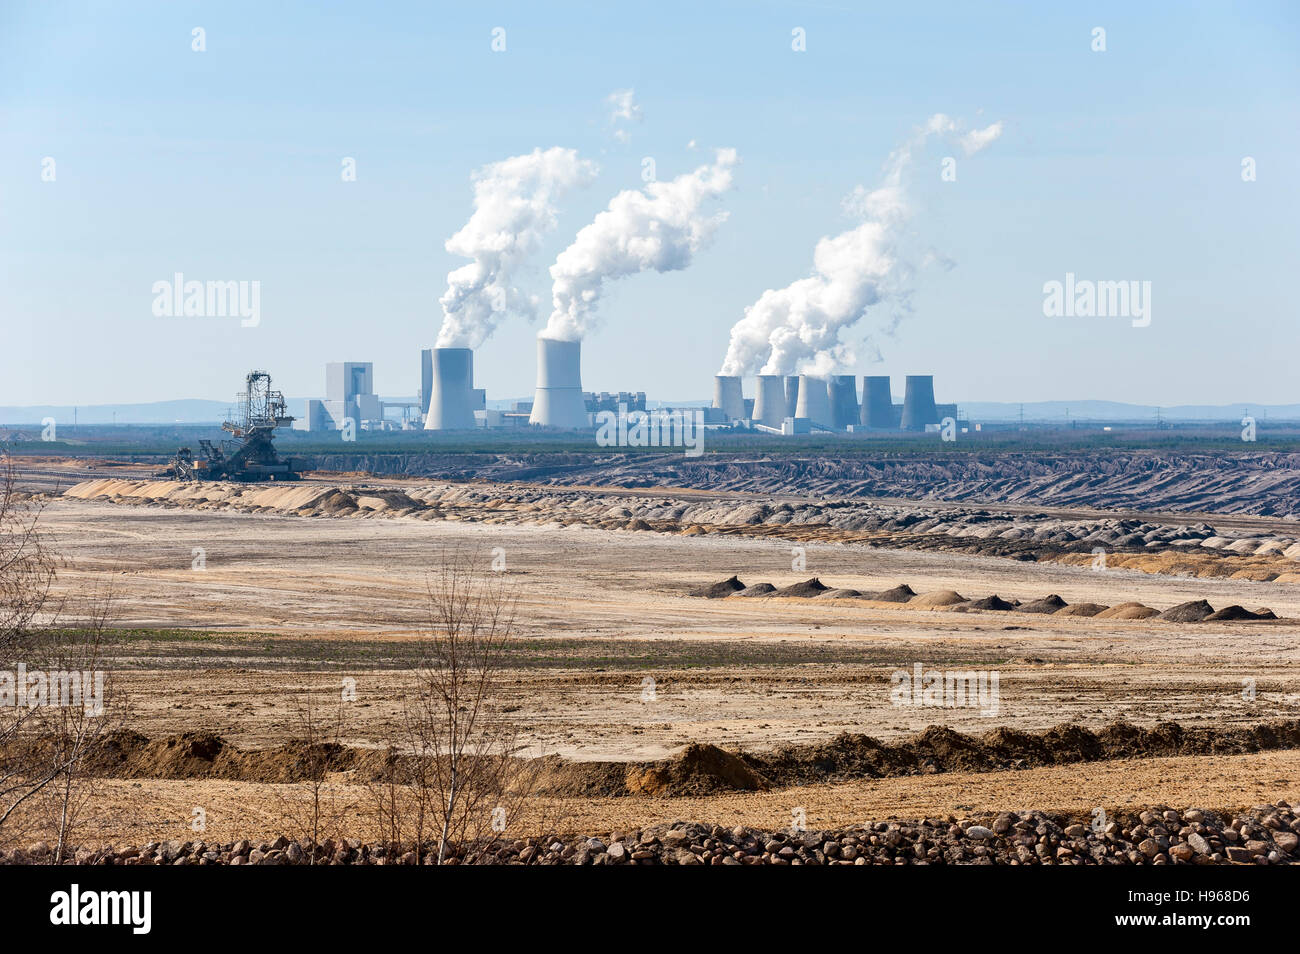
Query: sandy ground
(140, 812)
(283, 605)
(607, 609)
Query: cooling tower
(918, 403)
(769, 406)
(877, 402)
(843, 393)
(451, 405)
(815, 400)
(728, 396)
(559, 401)
(791, 394)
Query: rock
(979, 832)
(1198, 844)
(1286, 841)
(616, 852)
(1149, 847)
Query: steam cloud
(660, 228)
(797, 329)
(514, 207)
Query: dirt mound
(940, 749)
(336, 502)
(1048, 604)
(1235, 612)
(936, 599)
(1193, 611)
(841, 594)
(901, 593)
(1129, 611)
(717, 591)
(1082, 609)
(699, 769)
(804, 590)
(128, 754)
(758, 589)
(995, 603)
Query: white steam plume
(514, 207)
(660, 228)
(797, 329)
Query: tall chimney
(769, 405)
(728, 396)
(918, 403)
(877, 402)
(451, 405)
(559, 401)
(815, 400)
(843, 389)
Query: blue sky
(225, 164)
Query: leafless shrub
(312, 809)
(57, 701)
(454, 781)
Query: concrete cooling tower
(918, 403)
(791, 394)
(559, 401)
(843, 393)
(728, 396)
(877, 402)
(815, 400)
(769, 405)
(451, 404)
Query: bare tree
(312, 808)
(27, 570)
(56, 697)
(454, 781)
(83, 708)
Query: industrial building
(782, 404)
(350, 395)
(802, 404)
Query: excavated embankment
(1193, 549)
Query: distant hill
(1116, 411)
(190, 411)
(197, 411)
(193, 411)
